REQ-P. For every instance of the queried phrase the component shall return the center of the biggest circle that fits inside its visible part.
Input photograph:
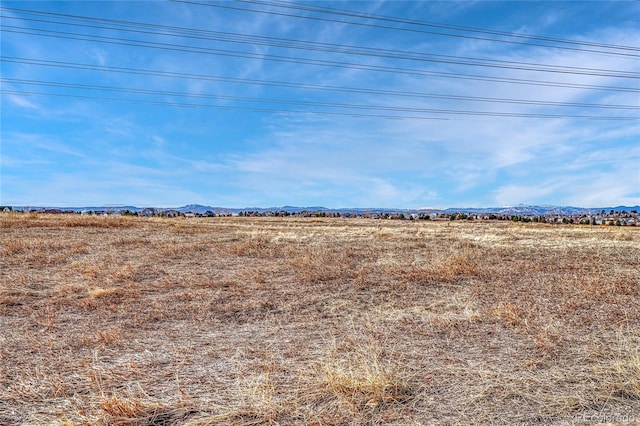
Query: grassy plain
(134, 321)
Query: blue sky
(382, 103)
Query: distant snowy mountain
(543, 210)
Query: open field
(133, 321)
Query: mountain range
(520, 209)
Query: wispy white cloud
(39, 144)
(23, 102)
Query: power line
(343, 114)
(328, 10)
(342, 12)
(306, 61)
(220, 107)
(321, 47)
(368, 91)
(251, 99)
(271, 12)
(298, 102)
(299, 44)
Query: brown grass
(238, 321)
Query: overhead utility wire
(321, 47)
(342, 12)
(211, 96)
(343, 114)
(350, 13)
(226, 6)
(368, 91)
(288, 59)
(250, 99)
(310, 44)
(224, 107)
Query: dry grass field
(240, 321)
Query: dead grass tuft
(455, 263)
(509, 314)
(318, 262)
(126, 411)
(621, 369)
(109, 336)
(258, 398)
(253, 246)
(13, 246)
(100, 292)
(360, 379)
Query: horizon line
(291, 206)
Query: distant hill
(521, 209)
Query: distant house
(171, 213)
